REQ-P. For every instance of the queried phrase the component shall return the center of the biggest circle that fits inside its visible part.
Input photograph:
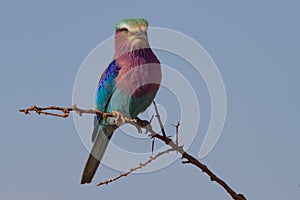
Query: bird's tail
(100, 144)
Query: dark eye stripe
(122, 29)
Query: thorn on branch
(152, 148)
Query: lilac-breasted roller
(128, 85)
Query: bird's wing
(106, 87)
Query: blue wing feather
(106, 87)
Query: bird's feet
(142, 123)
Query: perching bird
(128, 85)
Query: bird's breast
(139, 75)
(140, 80)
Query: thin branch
(38, 110)
(120, 119)
(65, 111)
(194, 161)
(141, 165)
(159, 120)
(177, 131)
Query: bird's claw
(141, 122)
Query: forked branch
(139, 124)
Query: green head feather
(131, 22)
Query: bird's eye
(122, 30)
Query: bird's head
(131, 34)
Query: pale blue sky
(255, 45)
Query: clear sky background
(255, 45)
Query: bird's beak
(142, 34)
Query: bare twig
(65, 111)
(38, 110)
(192, 160)
(136, 168)
(177, 131)
(147, 126)
(159, 120)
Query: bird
(128, 85)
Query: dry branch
(136, 168)
(139, 124)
